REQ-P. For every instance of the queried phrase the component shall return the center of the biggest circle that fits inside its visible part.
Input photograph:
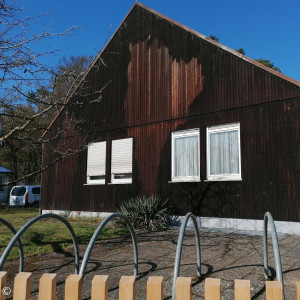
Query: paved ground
(227, 255)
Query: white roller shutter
(121, 156)
(96, 159)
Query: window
(96, 160)
(36, 190)
(223, 152)
(185, 155)
(121, 161)
(18, 191)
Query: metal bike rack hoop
(20, 246)
(179, 249)
(268, 219)
(97, 233)
(29, 224)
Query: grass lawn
(49, 235)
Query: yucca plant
(145, 212)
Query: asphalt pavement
(225, 254)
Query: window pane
(18, 191)
(102, 177)
(123, 176)
(36, 190)
(186, 156)
(224, 153)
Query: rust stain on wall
(160, 87)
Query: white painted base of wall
(243, 224)
(222, 223)
(88, 214)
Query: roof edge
(89, 68)
(250, 60)
(4, 170)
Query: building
(4, 178)
(164, 110)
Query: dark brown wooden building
(166, 111)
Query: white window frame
(119, 148)
(218, 129)
(100, 147)
(181, 134)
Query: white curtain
(224, 153)
(186, 152)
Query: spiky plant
(145, 212)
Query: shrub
(145, 212)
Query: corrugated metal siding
(156, 77)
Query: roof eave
(252, 61)
(88, 70)
(257, 64)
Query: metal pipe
(95, 236)
(20, 246)
(29, 224)
(179, 249)
(268, 219)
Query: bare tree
(69, 73)
(21, 68)
(31, 92)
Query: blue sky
(267, 29)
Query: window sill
(94, 183)
(223, 179)
(116, 183)
(181, 181)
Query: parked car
(25, 195)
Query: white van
(25, 195)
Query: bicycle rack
(179, 249)
(20, 246)
(29, 224)
(16, 238)
(269, 219)
(95, 236)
